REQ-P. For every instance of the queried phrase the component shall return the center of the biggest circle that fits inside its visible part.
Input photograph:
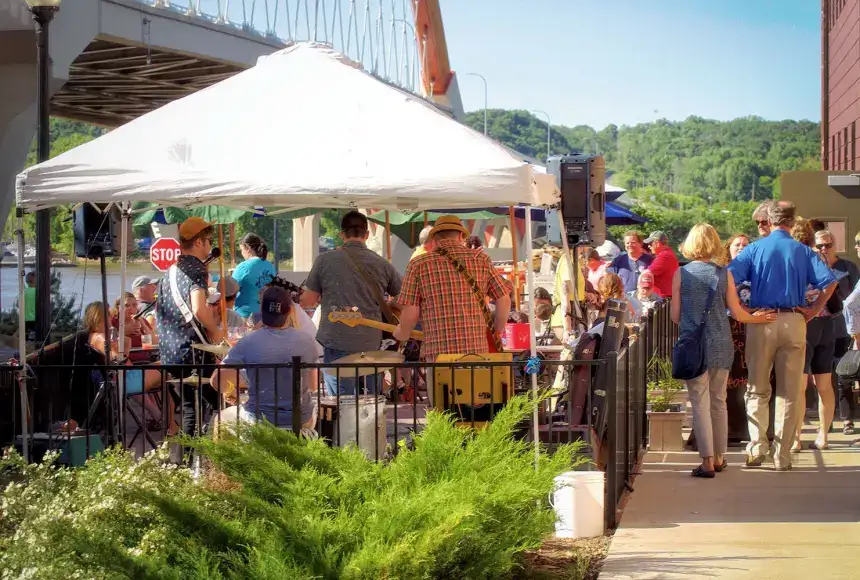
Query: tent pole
(411, 234)
(530, 285)
(232, 245)
(516, 265)
(22, 340)
(425, 219)
(123, 252)
(387, 236)
(221, 277)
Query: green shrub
(458, 505)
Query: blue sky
(629, 61)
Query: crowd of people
(777, 311)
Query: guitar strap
(181, 304)
(476, 290)
(387, 314)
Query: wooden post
(411, 233)
(425, 219)
(387, 236)
(516, 267)
(223, 284)
(232, 245)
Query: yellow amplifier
(473, 393)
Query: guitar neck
(416, 334)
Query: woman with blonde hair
(137, 381)
(691, 287)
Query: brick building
(840, 84)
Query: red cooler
(517, 335)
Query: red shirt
(663, 267)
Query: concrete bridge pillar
(306, 242)
(70, 33)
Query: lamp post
(485, 97)
(43, 12)
(548, 129)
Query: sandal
(701, 472)
(719, 468)
(819, 446)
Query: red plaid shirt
(451, 317)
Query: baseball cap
(192, 226)
(657, 236)
(142, 281)
(646, 279)
(232, 288)
(275, 306)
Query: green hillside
(734, 160)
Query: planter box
(664, 431)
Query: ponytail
(256, 244)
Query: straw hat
(448, 223)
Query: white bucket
(372, 428)
(578, 504)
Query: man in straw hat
(435, 291)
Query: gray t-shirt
(334, 277)
(274, 346)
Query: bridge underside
(111, 83)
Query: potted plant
(665, 415)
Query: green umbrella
(402, 222)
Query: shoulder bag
(493, 341)
(848, 368)
(688, 355)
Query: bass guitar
(353, 318)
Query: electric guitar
(353, 318)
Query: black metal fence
(75, 403)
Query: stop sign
(164, 253)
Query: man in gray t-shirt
(270, 391)
(335, 279)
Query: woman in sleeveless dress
(690, 288)
(737, 385)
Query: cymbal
(192, 380)
(383, 359)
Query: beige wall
(809, 191)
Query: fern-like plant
(662, 388)
(460, 504)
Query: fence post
(297, 394)
(610, 496)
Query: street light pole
(485, 97)
(548, 129)
(43, 12)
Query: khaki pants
(710, 419)
(781, 346)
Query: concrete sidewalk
(744, 524)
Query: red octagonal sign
(164, 253)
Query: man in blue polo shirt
(779, 270)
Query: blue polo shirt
(779, 270)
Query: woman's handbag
(688, 355)
(848, 368)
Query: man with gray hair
(760, 217)
(423, 242)
(779, 270)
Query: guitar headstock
(348, 317)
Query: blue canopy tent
(616, 215)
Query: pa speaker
(581, 181)
(98, 232)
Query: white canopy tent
(304, 128)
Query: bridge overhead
(114, 60)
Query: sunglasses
(857, 243)
(762, 222)
(823, 246)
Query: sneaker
(754, 461)
(848, 429)
(783, 468)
